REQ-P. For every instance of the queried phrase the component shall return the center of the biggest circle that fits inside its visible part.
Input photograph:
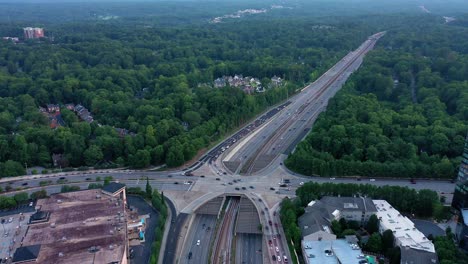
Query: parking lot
(12, 230)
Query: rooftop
(113, 187)
(332, 252)
(403, 228)
(319, 214)
(414, 256)
(27, 253)
(83, 227)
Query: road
(257, 149)
(249, 249)
(292, 122)
(202, 230)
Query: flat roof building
(331, 252)
(78, 227)
(404, 231)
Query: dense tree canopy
(403, 114)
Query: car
(198, 242)
(218, 179)
(413, 181)
(190, 255)
(169, 176)
(301, 183)
(202, 176)
(276, 225)
(332, 178)
(274, 213)
(270, 242)
(251, 187)
(176, 182)
(273, 257)
(230, 183)
(271, 188)
(88, 179)
(243, 188)
(285, 259)
(224, 173)
(372, 180)
(10, 220)
(269, 222)
(24, 183)
(31, 204)
(279, 258)
(237, 188)
(62, 178)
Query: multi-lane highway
(281, 131)
(222, 248)
(254, 150)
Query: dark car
(271, 188)
(269, 222)
(237, 188)
(202, 176)
(190, 255)
(243, 188)
(62, 178)
(176, 182)
(24, 183)
(170, 176)
(218, 179)
(88, 179)
(251, 187)
(273, 257)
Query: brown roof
(80, 221)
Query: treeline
(422, 203)
(151, 81)
(403, 114)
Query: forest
(403, 114)
(151, 81)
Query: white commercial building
(405, 233)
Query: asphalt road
(249, 249)
(199, 231)
(276, 136)
(177, 222)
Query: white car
(277, 250)
(198, 242)
(372, 180)
(279, 258)
(332, 179)
(301, 183)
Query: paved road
(255, 152)
(249, 249)
(177, 222)
(200, 231)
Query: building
(341, 251)
(415, 245)
(463, 172)
(460, 195)
(12, 39)
(316, 220)
(87, 226)
(33, 33)
(461, 231)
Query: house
(220, 82)
(276, 81)
(70, 107)
(52, 108)
(319, 214)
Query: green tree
(374, 244)
(149, 189)
(372, 225)
(93, 155)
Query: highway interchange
(259, 149)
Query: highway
(257, 150)
(254, 153)
(202, 230)
(249, 249)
